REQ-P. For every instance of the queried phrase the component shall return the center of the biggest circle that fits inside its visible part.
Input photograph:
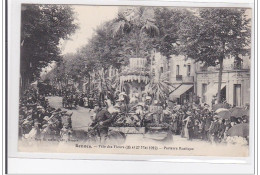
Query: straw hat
(148, 98)
(117, 105)
(188, 113)
(46, 118)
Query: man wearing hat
(91, 102)
(190, 125)
(214, 128)
(208, 121)
(102, 122)
(221, 129)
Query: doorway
(223, 96)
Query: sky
(88, 19)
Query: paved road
(81, 116)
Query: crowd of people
(190, 120)
(38, 120)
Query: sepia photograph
(140, 80)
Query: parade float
(134, 78)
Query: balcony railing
(185, 79)
(188, 79)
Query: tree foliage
(215, 34)
(42, 27)
(169, 22)
(138, 24)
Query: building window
(204, 67)
(178, 70)
(238, 63)
(237, 94)
(188, 70)
(161, 69)
(153, 72)
(204, 90)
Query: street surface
(81, 116)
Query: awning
(180, 90)
(213, 90)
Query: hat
(50, 122)
(215, 116)
(122, 93)
(148, 98)
(166, 111)
(55, 113)
(117, 105)
(188, 113)
(46, 118)
(45, 125)
(26, 122)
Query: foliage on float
(135, 71)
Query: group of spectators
(190, 120)
(38, 120)
(202, 123)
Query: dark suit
(106, 118)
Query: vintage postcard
(135, 80)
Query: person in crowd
(175, 123)
(37, 119)
(190, 127)
(213, 130)
(102, 122)
(208, 122)
(196, 129)
(221, 130)
(214, 100)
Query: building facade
(235, 86)
(182, 73)
(194, 81)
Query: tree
(160, 87)
(138, 24)
(213, 34)
(168, 21)
(42, 27)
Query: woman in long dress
(186, 126)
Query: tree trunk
(89, 85)
(137, 40)
(220, 79)
(25, 81)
